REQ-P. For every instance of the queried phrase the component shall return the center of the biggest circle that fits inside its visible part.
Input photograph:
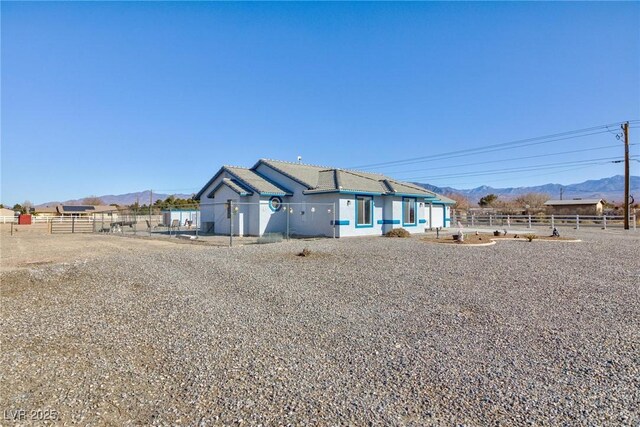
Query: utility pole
(561, 190)
(625, 128)
(150, 204)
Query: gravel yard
(365, 331)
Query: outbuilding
(307, 200)
(7, 215)
(575, 207)
(183, 217)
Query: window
(409, 211)
(275, 204)
(364, 211)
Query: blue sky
(109, 98)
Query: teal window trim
(370, 224)
(389, 221)
(415, 212)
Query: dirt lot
(107, 330)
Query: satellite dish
(299, 159)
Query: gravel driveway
(365, 331)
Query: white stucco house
(275, 196)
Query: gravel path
(365, 331)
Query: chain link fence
(268, 221)
(264, 222)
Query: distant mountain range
(141, 197)
(610, 189)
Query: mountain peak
(610, 189)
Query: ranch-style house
(275, 196)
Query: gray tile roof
(236, 186)
(321, 179)
(256, 182)
(308, 175)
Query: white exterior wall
(214, 210)
(347, 212)
(271, 221)
(312, 215)
(316, 220)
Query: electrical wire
(463, 153)
(523, 176)
(604, 147)
(520, 169)
(579, 133)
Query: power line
(439, 157)
(523, 176)
(609, 147)
(579, 133)
(521, 169)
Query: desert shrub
(305, 252)
(397, 232)
(530, 237)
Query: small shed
(185, 217)
(7, 215)
(575, 207)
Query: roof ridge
(324, 168)
(298, 163)
(277, 169)
(361, 176)
(409, 184)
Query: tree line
(530, 202)
(170, 202)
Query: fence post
(577, 222)
(529, 220)
(288, 211)
(473, 217)
(73, 224)
(230, 223)
(553, 223)
(490, 221)
(604, 222)
(634, 222)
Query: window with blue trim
(409, 211)
(364, 211)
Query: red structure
(24, 219)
